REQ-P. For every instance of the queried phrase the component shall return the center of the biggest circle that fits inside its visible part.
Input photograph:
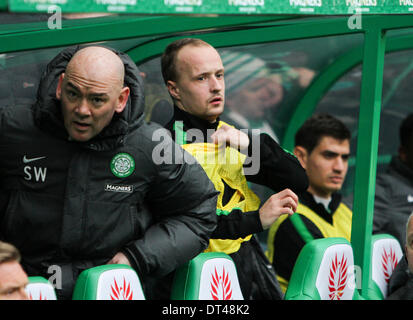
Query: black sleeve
(278, 169)
(288, 244)
(183, 201)
(404, 291)
(173, 241)
(399, 276)
(237, 224)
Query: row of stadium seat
(209, 276)
(324, 271)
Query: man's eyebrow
(94, 94)
(333, 153)
(8, 289)
(98, 94)
(72, 86)
(329, 152)
(220, 71)
(203, 73)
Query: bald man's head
(91, 91)
(96, 63)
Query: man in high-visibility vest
(322, 145)
(194, 75)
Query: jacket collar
(307, 199)
(192, 122)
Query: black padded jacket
(75, 205)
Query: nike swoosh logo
(26, 160)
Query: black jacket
(394, 200)
(401, 282)
(62, 204)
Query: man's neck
(182, 108)
(192, 122)
(324, 201)
(320, 197)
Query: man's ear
(59, 86)
(173, 89)
(122, 100)
(302, 155)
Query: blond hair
(8, 253)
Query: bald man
(78, 186)
(94, 75)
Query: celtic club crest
(122, 165)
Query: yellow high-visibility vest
(341, 227)
(227, 165)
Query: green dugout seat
(324, 270)
(209, 276)
(108, 282)
(40, 288)
(385, 255)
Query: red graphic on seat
(337, 279)
(40, 297)
(388, 262)
(121, 293)
(221, 286)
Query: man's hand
(284, 202)
(119, 258)
(229, 136)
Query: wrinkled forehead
(99, 82)
(95, 67)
